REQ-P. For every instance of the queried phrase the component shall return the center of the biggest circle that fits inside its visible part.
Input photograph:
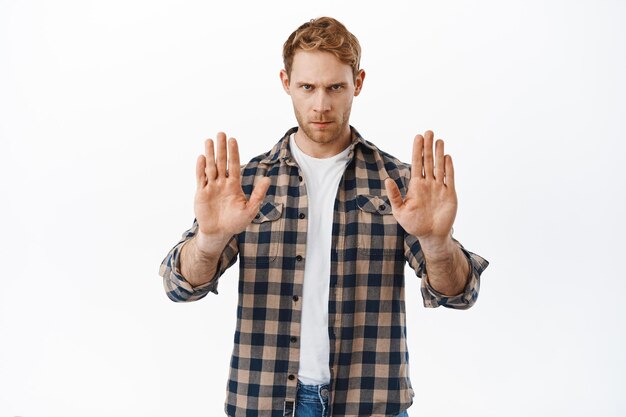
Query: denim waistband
(313, 393)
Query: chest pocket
(262, 237)
(379, 232)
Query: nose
(321, 101)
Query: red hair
(323, 34)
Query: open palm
(429, 207)
(221, 208)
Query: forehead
(319, 66)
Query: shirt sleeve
(177, 287)
(432, 298)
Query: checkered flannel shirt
(366, 311)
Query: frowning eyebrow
(340, 84)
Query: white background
(104, 107)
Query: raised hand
(429, 207)
(221, 208)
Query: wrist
(209, 246)
(438, 248)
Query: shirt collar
(281, 151)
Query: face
(321, 89)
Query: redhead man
(323, 224)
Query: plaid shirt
(366, 312)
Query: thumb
(394, 194)
(258, 194)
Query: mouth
(320, 124)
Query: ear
(358, 82)
(284, 79)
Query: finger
(200, 173)
(211, 171)
(394, 194)
(220, 159)
(449, 172)
(429, 171)
(257, 196)
(439, 161)
(417, 163)
(234, 168)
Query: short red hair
(323, 34)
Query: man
(323, 224)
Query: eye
(336, 87)
(307, 87)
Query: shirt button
(291, 377)
(258, 216)
(382, 207)
(298, 258)
(301, 215)
(295, 297)
(300, 178)
(293, 339)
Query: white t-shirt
(321, 177)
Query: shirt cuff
(466, 299)
(178, 288)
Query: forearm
(199, 266)
(447, 267)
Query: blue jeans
(312, 401)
